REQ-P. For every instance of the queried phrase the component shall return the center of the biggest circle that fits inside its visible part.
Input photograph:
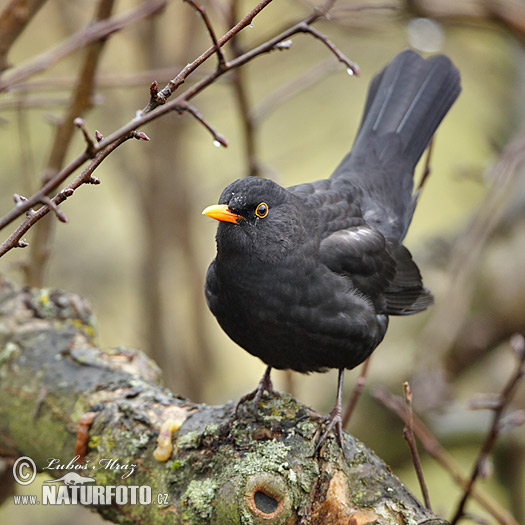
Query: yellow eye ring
(262, 210)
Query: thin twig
(173, 84)
(80, 101)
(202, 12)
(356, 394)
(217, 138)
(492, 436)
(61, 216)
(81, 124)
(408, 433)
(91, 33)
(85, 177)
(14, 18)
(285, 92)
(436, 450)
(151, 114)
(352, 67)
(241, 98)
(144, 117)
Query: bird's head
(258, 219)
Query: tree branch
(436, 450)
(91, 33)
(13, 20)
(202, 12)
(150, 114)
(495, 429)
(64, 399)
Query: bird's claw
(265, 385)
(332, 423)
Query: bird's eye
(262, 210)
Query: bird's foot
(265, 385)
(332, 423)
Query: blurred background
(138, 248)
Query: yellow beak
(221, 212)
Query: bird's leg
(335, 420)
(265, 385)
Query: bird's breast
(295, 315)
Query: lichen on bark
(219, 468)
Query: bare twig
(202, 12)
(356, 394)
(492, 436)
(81, 124)
(23, 102)
(89, 34)
(151, 114)
(408, 433)
(352, 68)
(436, 450)
(104, 80)
(142, 119)
(285, 92)
(243, 104)
(61, 216)
(441, 332)
(173, 84)
(85, 177)
(217, 138)
(80, 102)
(13, 20)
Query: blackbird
(305, 277)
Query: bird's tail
(406, 102)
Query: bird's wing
(380, 268)
(335, 208)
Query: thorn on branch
(218, 140)
(61, 216)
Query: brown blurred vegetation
(138, 248)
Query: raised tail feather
(406, 102)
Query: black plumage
(305, 277)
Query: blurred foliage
(138, 248)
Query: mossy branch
(62, 396)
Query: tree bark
(62, 397)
